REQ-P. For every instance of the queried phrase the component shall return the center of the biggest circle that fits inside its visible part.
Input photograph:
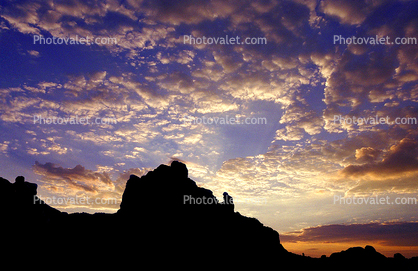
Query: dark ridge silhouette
(164, 220)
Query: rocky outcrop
(168, 188)
(164, 219)
(182, 216)
(163, 212)
(358, 256)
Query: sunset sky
(294, 168)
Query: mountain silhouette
(164, 220)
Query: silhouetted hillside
(164, 219)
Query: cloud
(367, 154)
(282, 172)
(290, 133)
(386, 234)
(4, 146)
(299, 119)
(349, 86)
(46, 147)
(228, 62)
(189, 11)
(351, 12)
(14, 111)
(77, 18)
(177, 81)
(22, 17)
(33, 53)
(96, 188)
(401, 159)
(77, 178)
(253, 86)
(183, 57)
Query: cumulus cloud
(77, 178)
(77, 18)
(299, 119)
(280, 173)
(290, 133)
(190, 12)
(400, 159)
(347, 11)
(100, 190)
(367, 154)
(23, 16)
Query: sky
(303, 111)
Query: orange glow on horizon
(316, 250)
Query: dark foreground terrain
(157, 228)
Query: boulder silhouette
(368, 253)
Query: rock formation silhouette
(164, 220)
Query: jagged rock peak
(180, 169)
(164, 187)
